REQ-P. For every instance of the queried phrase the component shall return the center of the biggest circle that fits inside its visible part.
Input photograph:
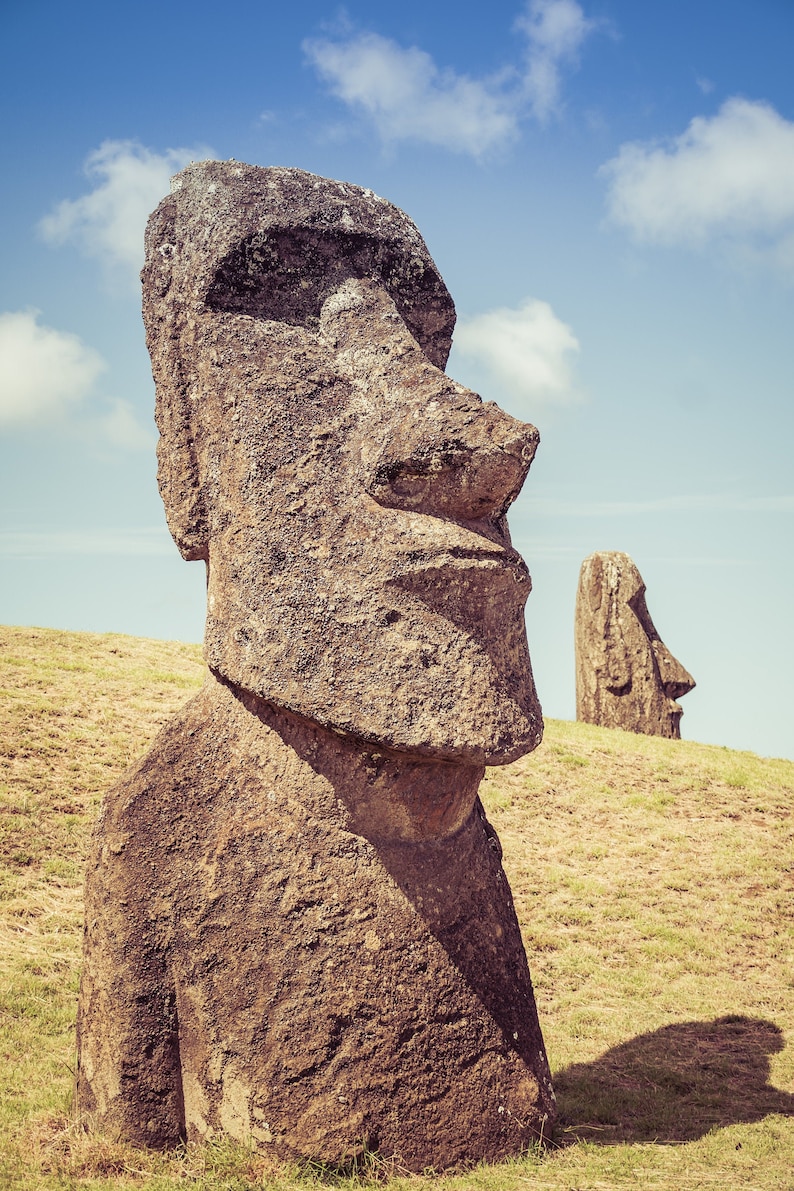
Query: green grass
(653, 879)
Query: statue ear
(601, 580)
(618, 668)
(177, 473)
(178, 480)
(619, 671)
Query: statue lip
(466, 562)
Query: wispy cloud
(407, 96)
(691, 503)
(47, 382)
(556, 31)
(729, 177)
(121, 428)
(108, 223)
(42, 543)
(526, 352)
(43, 372)
(537, 548)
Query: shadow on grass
(673, 1085)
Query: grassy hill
(653, 879)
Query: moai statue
(626, 676)
(298, 929)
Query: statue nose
(676, 681)
(426, 443)
(447, 460)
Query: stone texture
(298, 929)
(626, 676)
(350, 496)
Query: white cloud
(153, 540)
(121, 428)
(43, 372)
(527, 352)
(730, 176)
(408, 97)
(556, 30)
(45, 375)
(719, 503)
(109, 221)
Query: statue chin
(419, 685)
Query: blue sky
(608, 190)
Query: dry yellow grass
(653, 880)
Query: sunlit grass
(653, 879)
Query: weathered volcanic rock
(298, 929)
(626, 676)
(296, 940)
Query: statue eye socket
(640, 610)
(285, 276)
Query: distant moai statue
(298, 928)
(626, 676)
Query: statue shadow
(673, 1085)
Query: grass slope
(653, 880)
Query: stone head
(626, 676)
(348, 497)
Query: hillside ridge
(653, 881)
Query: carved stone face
(348, 496)
(626, 676)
